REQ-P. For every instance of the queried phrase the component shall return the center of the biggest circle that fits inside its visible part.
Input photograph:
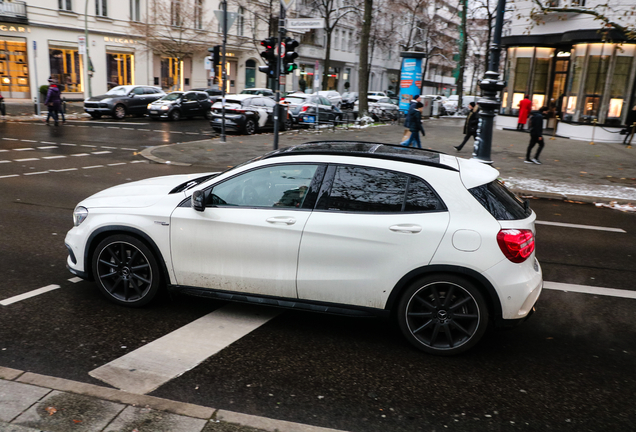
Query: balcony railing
(15, 11)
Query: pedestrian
(415, 126)
(524, 111)
(3, 110)
(53, 101)
(407, 132)
(536, 135)
(471, 125)
(630, 124)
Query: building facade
(567, 63)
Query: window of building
(620, 80)
(598, 65)
(66, 69)
(336, 41)
(543, 57)
(170, 73)
(175, 13)
(198, 14)
(135, 10)
(65, 5)
(240, 21)
(14, 70)
(119, 69)
(101, 8)
(250, 74)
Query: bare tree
(363, 78)
(175, 31)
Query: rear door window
(500, 202)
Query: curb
(152, 402)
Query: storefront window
(598, 65)
(170, 73)
(119, 69)
(306, 78)
(250, 74)
(543, 57)
(332, 78)
(14, 70)
(575, 81)
(66, 69)
(619, 80)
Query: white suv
(435, 241)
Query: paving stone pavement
(571, 169)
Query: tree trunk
(327, 64)
(363, 73)
(462, 55)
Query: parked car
(432, 241)
(259, 91)
(248, 114)
(122, 100)
(380, 108)
(214, 94)
(377, 93)
(348, 99)
(450, 104)
(177, 105)
(333, 96)
(304, 108)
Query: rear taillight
(516, 244)
(305, 108)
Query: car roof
(241, 96)
(256, 88)
(365, 149)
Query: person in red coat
(524, 111)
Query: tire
(208, 115)
(119, 112)
(250, 127)
(132, 281)
(442, 314)
(288, 124)
(96, 115)
(337, 119)
(175, 115)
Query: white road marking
(75, 279)
(80, 154)
(25, 140)
(145, 369)
(112, 148)
(47, 147)
(129, 129)
(11, 175)
(89, 145)
(94, 166)
(3, 150)
(47, 142)
(138, 161)
(101, 152)
(5, 161)
(26, 160)
(10, 139)
(193, 133)
(24, 149)
(67, 144)
(29, 294)
(63, 170)
(586, 289)
(116, 164)
(36, 173)
(54, 157)
(126, 148)
(589, 227)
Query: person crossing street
(536, 135)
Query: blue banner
(410, 81)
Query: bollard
(593, 130)
(35, 105)
(555, 128)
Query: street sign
(286, 3)
(305, 23)
(81, 42)
(316, 75)
(231, 17)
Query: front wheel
(126, 270)
(119, 112)
(442, 314)
(175, 115)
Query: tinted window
(420, 197)
(202, 96)
(362, 189)
(273, 186)
(500, 202)
(150, 90)
(138, 90)
(325, 101)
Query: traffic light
(290, 55)
(269, 55)
(216, 55)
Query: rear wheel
(126, 270)
(250, 127)
(442, 314)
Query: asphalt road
(570, 367)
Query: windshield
(172, 97)
(254, 92)
(117, 91)
(295, 100)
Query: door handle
(281, 220)
(406, 228)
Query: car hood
(138, 194)
(102, 97)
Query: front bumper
(232, 123)
(105, 110)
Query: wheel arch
(481, 283)
(101, 233)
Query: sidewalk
(574, 170)
(31, 403)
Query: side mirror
(198, 200)
(131, 94)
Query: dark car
(304, 108)
(348, 99)
(248, 114)
(176, 105)
(122, 100)
(214, 94)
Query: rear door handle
(281, 220)
(406, 228)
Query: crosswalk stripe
(150, 366)
(27, 295)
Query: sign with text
(81, 42)
(305, 23)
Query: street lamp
(491, 85)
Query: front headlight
(165, 107)
(149, 105)
(79, 214)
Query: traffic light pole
(281, 37)
(223, 77)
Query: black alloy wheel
(119, 112)
(126, 270)
(442, 314)
(175, 115)
(250, 127)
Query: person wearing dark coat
(415, 126)
(536, 135)
(629, 124)
(414, 101)
(471, 125)
(53, 101)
